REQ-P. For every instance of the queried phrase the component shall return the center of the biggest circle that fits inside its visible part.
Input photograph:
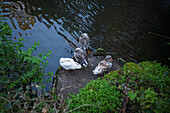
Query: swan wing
(106, 65)
(66, 60)
(69, 64)
(84, 59)
(74, 65)
(98, 70)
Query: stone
(100, 51)
(72, 81)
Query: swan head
(84, 41)
(78, 50)
(108, 58)
(84, 35)
(79, 55)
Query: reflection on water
(121, 26)
(17, 11)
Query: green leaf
(132, 95)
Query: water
(120, 26)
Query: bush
(18, 69)
(97, 96)
(140, 87)
(148, 84)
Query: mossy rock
(55, 79)
(100, 52)
(58, 69)
(132, 67)
(145, 64)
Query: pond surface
(135, 30)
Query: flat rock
(73, 80)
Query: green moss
(58, 69)
(113, 75)
(132, 67)
(100, 51)
(145, 85)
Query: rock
(132, 67)
(100, 51)
(72, 81)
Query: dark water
(120, 26)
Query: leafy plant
(146, 84)
(18, 68)
(100, 95)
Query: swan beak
(111, 59)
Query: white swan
(69, 64)
(103, 65)
(84, 41)
(79, 55)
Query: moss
(55, 79)
(58, 69)
(113, 75)
(145, 64)
(100, 51)
(145, 84)
(132, 67)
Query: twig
(159, 35)
(60, 98)
(54, 104)
(67, 105)
(64, 88)
(82, 106)
(16, 103)
(5, 99)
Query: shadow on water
(120, 26)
